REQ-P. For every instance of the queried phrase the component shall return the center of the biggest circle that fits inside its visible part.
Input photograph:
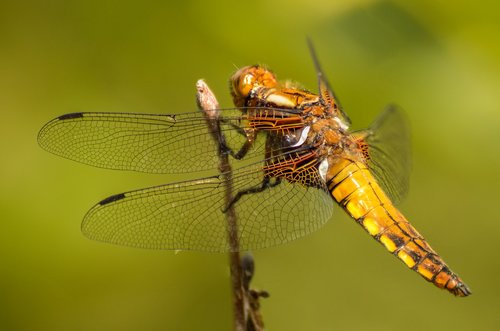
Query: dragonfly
(293, 155)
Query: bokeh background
(439, 60)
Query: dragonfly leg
(266, 184)
(249, 134)
(243, 150)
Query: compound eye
(243, 82)
(246, 84)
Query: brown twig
(208, 104)
(246, 306)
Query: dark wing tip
(112, 198)
(70, 116)
(45, 130)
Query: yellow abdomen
(353, 186)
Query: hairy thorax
(257, 90)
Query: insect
(293, 156)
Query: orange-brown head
(247, 79)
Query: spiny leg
(249, 134)
(266, 184)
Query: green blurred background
(439, 60)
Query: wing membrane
(140, 142)
(189, 215)
(389, 152)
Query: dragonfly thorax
(331, 141)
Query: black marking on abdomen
(415, 267)
(398, 241)
(328, 183)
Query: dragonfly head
(245, 80)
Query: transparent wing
(189, 215)
(389, 152)
(141, 142)
(325, 89)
